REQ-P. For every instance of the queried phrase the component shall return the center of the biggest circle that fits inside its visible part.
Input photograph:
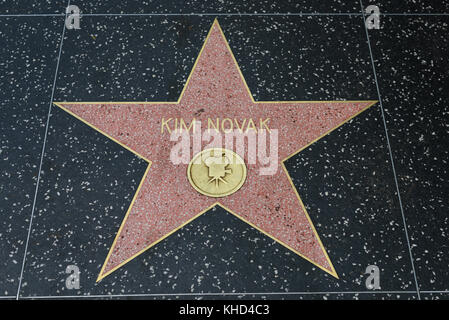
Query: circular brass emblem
(216, 172)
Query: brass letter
(264, 123)
(211, 123)
(183, 124)
(165, 123)
(237, 124)
(251, 125)
(231, 125)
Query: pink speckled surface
(166, 200)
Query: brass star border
(102, 276)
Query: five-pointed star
(165, 201)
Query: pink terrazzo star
(165, 200)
